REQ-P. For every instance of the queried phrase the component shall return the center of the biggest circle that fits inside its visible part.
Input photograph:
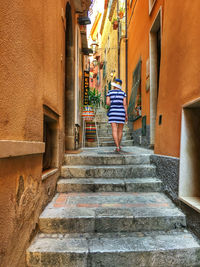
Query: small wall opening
(189, 174)
(50, 138)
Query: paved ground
(132, 150)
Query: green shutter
(109, 86)
(105, 93)
(135, 85)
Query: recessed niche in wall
(189, 174)
(50, 138)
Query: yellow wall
(32, 66)
(112, 56)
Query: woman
(117, 114)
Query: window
(134, 107)
(50, 138)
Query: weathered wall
(167, 169)
(109, 42)
(139, 25)
(22, 197)
(31, 75)
(179, 80)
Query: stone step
(104, 171)
(106, 132)
(91, 144)
(110, 138)
(106, 159)
(107, 126)
(110, 212)
(123, 143)
(109, 185)
(105, 123)
(154, 249)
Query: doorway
(155, 58)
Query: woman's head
(117, 84)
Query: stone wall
(168, 172)
(139, 139)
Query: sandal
(117, 149)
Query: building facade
(164, 94)
(41, 67)
(108, 35)
(145, 28)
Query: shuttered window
(136, 83)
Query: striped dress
(117, 111)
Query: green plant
(94, 98)
(114, 21)
(121, 12)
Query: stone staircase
(109, 211)
(105, 135)
(105, 131)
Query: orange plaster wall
(180, 64)
(139, 25)
(31, 75)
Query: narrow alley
(99, 133)
(110, 210)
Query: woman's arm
(108, 100)
(125, 107)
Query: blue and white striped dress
(117, 111)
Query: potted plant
(94, 102)
(94, 98)
(115, 23)
(121, 13)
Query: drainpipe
(126, 38)
(118, 39)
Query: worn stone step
(105, 171)
(91, 144)
(106, 159)
(110, 138)
(110, 212)
(104, 131)
(106, 124)
(123, 143)
(109, 185)
(154, 249)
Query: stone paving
(110, 210)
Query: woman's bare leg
(120, 132)
(115, 134)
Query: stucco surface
(109, 42)
(21, 72)
(179, 80)
(32, 66)
(139, 26)
(22, 197)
